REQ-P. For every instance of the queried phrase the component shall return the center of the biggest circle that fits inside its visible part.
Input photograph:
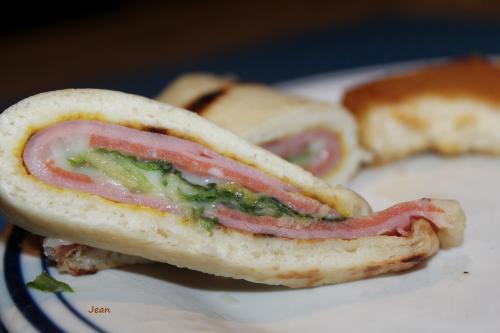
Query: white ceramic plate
(456, 291)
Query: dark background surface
(139, 46)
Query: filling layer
(194, 195)
(186, 178)
(316, 150)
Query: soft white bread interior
(148, 233)
(261, 114)
(452, 109)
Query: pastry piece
(317, 136)
(451, 108)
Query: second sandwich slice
(318, 136)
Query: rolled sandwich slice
(126, 174)
(322, 141)
(450, 108)
(317, 136)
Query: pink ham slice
(396, 221)
(326, 159)
(184, 154)
(195, 158)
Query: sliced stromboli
(451, 108)
(160, 171)
(126, 174)
(317, 136)
(294, 135)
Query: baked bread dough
(451, 108)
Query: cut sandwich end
(451, 230)
(278, 122)
(448, 126)
(450, 108)
(366, 257)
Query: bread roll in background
(450, 108)
(263, 115)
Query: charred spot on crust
(313, 275)
(78, 272)
(155, 130)
(225, 229)
(471, 77)
(203, 102)
(266, 235)
(65, 254)
(24, 167)
(20, 150)
(373, 270)
(415, 259)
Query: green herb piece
(128, 170)
(162, 166)
(306, 157)
(77, 161)
(47, 283)
(177, 188)
(203, 194)
(271, 206)
(206, 223)
(303, 160)
(156, 165)
(238, 198)
(121, 169)
(334, 218)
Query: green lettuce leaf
(47, 283)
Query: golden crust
(451, 109)
(240, 106)
(422, 240)
(472, 77)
